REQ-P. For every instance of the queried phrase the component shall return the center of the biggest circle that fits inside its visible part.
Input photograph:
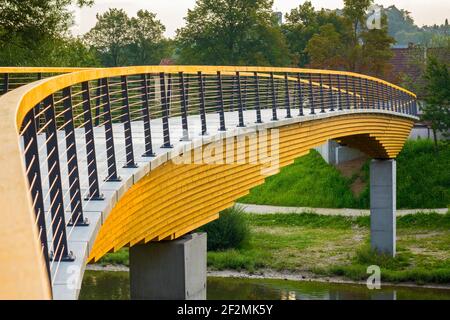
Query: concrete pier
(173, 270)
(383, 206)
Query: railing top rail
(41, 89)
(40, 69)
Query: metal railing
(54, 113)
(14, 77)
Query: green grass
(336, 246)
(309, 182)
(423, 175)
(423, 181)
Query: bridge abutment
(383, 206)
(174, 270)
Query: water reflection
(102, 285)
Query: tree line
(223, 32)
(217, 32)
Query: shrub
(230, 231)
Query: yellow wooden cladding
(173, 200)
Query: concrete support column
(383, 206)
(173, 270)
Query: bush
(231, 231)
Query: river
(114, 285)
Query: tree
(110, 36)
(232, 32)
(147, 45)
(120, 40)
(355, 11)
(436, 110)
(302, 23)
(33, 31)
(325, 49)
(352, 46)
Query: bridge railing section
(52, 114)
(14, 77)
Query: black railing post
(5, 83)
(76, 205)
(339, 92)
(146, 117)
(169, 93)
(244, 94)
(91, 157)
(60, 248)
(396, 99)
(33, 169)
(184, 107)
(385, 95)
(287, 96)
(404, 105)
(201, 88)
(378, 90)
(347, 87)
(257, 99)
(311, 94)
(274, 98)
(240, 106)
(98, 100)
(109, 136)
(300, 95)
(126, 119)
(370, 104)
(362, 103)
(165, 112)
(322, 99)
(331, 92)
(220, 108)
(355, 98)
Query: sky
(172, 12)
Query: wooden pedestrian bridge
(93, 160)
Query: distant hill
(403, 29)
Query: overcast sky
(172, 12)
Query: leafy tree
(326, 48)
(302, 23)
(148, 44)
(232, 32)
(436, 110)
(110, 36)
(355, 11)
(36, 32)
(352, 46)
(120, 40)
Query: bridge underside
(174, 199)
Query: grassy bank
(423, 181)
(336, 246)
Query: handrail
(14, 77)
(41, 118)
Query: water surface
(107, 285)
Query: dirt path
(264, 209)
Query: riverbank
(274, 275)
(334, 247)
